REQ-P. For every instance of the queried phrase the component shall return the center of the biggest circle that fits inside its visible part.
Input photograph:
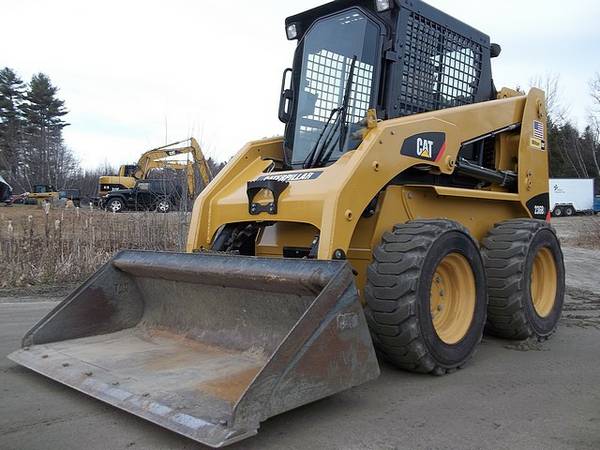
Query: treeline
(32, 149)
(573, 153)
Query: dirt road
(511, 396)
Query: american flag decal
(538, 130)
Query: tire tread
(391, 294)
(504, 252)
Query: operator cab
(129, 170)
(397, 57)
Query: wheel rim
(115, 206)
(544, 282)
(558, 212)
(453, 298)
(163, 206)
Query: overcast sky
(135, 74)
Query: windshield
(329, 50)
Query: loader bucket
(207, 345)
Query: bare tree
(594, 120)
(595, 91)
(550, 83)
(86, 180)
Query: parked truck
(147, 195)
(571, 196)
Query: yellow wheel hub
(544, 282)
(453, 297)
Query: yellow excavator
(405, 210)
(167, 157)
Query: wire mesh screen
(442, 68)
(327, 75)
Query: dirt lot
(580, 231)
(529, 396)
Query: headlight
(383, 5)
(292, 31)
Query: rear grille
(442, 68)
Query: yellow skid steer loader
(404, 210)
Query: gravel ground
(511, 396)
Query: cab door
(143, 195)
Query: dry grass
(69, 245)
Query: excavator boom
(189, 158)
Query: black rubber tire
(569, 211)
(115, 200)
(558, 212)
(163, 206)
(398, 292)
(508, 254)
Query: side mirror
(287, 97)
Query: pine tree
(46, 160)
(11, 121)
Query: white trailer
(571, 196)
